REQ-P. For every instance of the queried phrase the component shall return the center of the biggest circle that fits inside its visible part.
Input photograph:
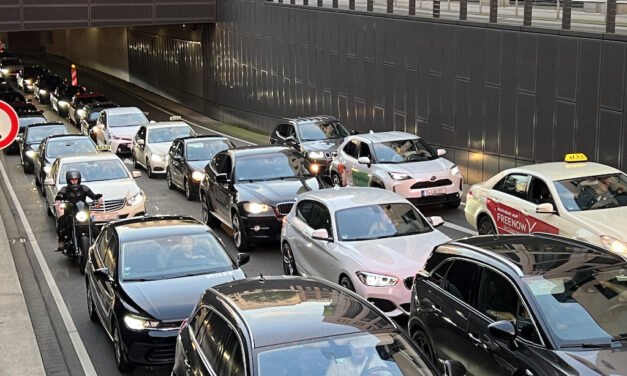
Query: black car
(144, 275)
(11, 96)
(77, 105)
(61, 97)
(27, 114)
(44, 85)
(251, 189)
(187, 159)
(293, 326)
(30, 141)
(27, 76)
(523, 305)
(6, 87)
(92, 112)
(58, 146)
(317, 138)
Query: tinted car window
(102, 244)
(205, 149)
(37, 134)
(303, 210)
(215, 336)
(58, 148)
(593, 192)
(110, 256)
(315, 131)
(401, 151)
(269, 166)
(437, 276)
(351, 148)
(514, 184)
(320, 218)
(364, 150)
(126, 120)
(460, 279)
(98, 170)
(168, 134)
(197, 320)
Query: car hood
(438, 165)
(402, 256)
(276, 191)
(611, 221)
(174, 299)
(606, 362)
(125, 132)
(161, 148)
(111, 189)
(322, 145)
(198, 165)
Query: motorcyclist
(73, 193)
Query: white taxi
(583, 200)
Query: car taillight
(469, 196)
(341, 168)
(183, 324)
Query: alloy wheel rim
(487, 228)
(168, 178)
(205, 212)
(336, 180)
(188, 191)
(288, 266)
(116, 345)
(236, 232)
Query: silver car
(400, 162)
(368, 240)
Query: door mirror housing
(454, 368)
(48, 182)
(441, 152)
(503, 330)
(321, 234)
(222, 179)
(103, 274)
(137, 174)
(242, 258)
(364, 160)
(546, 208)
(436, 221)
(18, 139)
(353, 132)
(291, 141)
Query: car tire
(189, 193)
(453, 204)
(239, 237)
(151, 175)
(422, 341)
(336, 179)
(207, 217)
(168, 179)
(135, 164)
(486, 227)
(121, 362)
(376, 185)
(91, 307)
(346, 283)
(84, 248)
(289, 264)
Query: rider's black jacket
(76, 193)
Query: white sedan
(368, 240)
(582, 200)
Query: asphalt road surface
(264, 259)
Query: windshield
(157, 135)
(59, 148)
(9, 97)
(36, 134)
(97, 170)
(593, 192)
(386, 354)
(379, 221)
(402, 151)
(10, 62)
(321, 131)
(127, 120)
(205, 150)
(25, 121)
(271, 166)
(173, 256)
(589, 306)
(49, 81)
(94, 116)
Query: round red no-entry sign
(9, 125)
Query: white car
(117, 127)
(400, 162)
(368, 240)
(152, 143)
(103, 173)
(10, 67)
(582, 200)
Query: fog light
(257, 228)
(314, 168)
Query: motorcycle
(77, 243)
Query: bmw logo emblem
(433, 178)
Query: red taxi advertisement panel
(512, 221)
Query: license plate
(104, 217)
(433, 191)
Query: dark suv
(523, 305)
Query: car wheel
(91, 308)
(120, 357)
(336, 179)
(207, 217)
(168, 179)
(346, 283)
(377, 185)
(135, 164)
(421, 340)
(151, 175)
(486, 227)
(453, 204)
(289, 264)
(189, 194)
(82, 260)
(239, 237)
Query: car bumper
(152, 347)
(158, 166)
(121, 146)
(430, 195)
(101, 218)
(393, 300)
(265, 228)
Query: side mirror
(48, 182)
(222, 179)
(291, 141)
(441, 152)
(18, 139)
(353, 132)
(103, 274)
(546, 208)
(320, 234)
(454, 368)
(363, 160)
(137, 174)
(436, 221)
(242, 258)
(503, 330)
(141, 142)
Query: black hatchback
(523, 305)
(31, 140)
(293, 326)
(144, 276)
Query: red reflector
(341, 168)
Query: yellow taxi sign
(575, 157)
(103, 147)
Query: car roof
(258, 149)
(540, 254)
(289, 309)
(376, 137)
(564, 170)
(89, 157)
(122, 110)
(45, 124)
(166, 124)
(156, 226)
(309, 119)
(205, 136)
(67, 136)
(349, 197)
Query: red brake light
(469, 196)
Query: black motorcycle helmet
(71, 175)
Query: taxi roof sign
(575, 157)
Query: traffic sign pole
(74, 77)
(9, 125)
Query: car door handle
(475, 339)
(436, 309)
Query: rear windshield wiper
(586, 345)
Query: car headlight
(42, 91)
(28, 82)
(63, 103)
(376, 280)
(139, 323)
(81, 216)
(136, 199)
(256, 208)
(47, 169)
(5, 71)
(198, 175)
(614, 244)
(398, 176)
(156, 158)
(454, 170)
(30, 153)
(315, 155)
(80, 112)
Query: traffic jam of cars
(371, 286)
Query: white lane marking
(79, 347)
(460, 228)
